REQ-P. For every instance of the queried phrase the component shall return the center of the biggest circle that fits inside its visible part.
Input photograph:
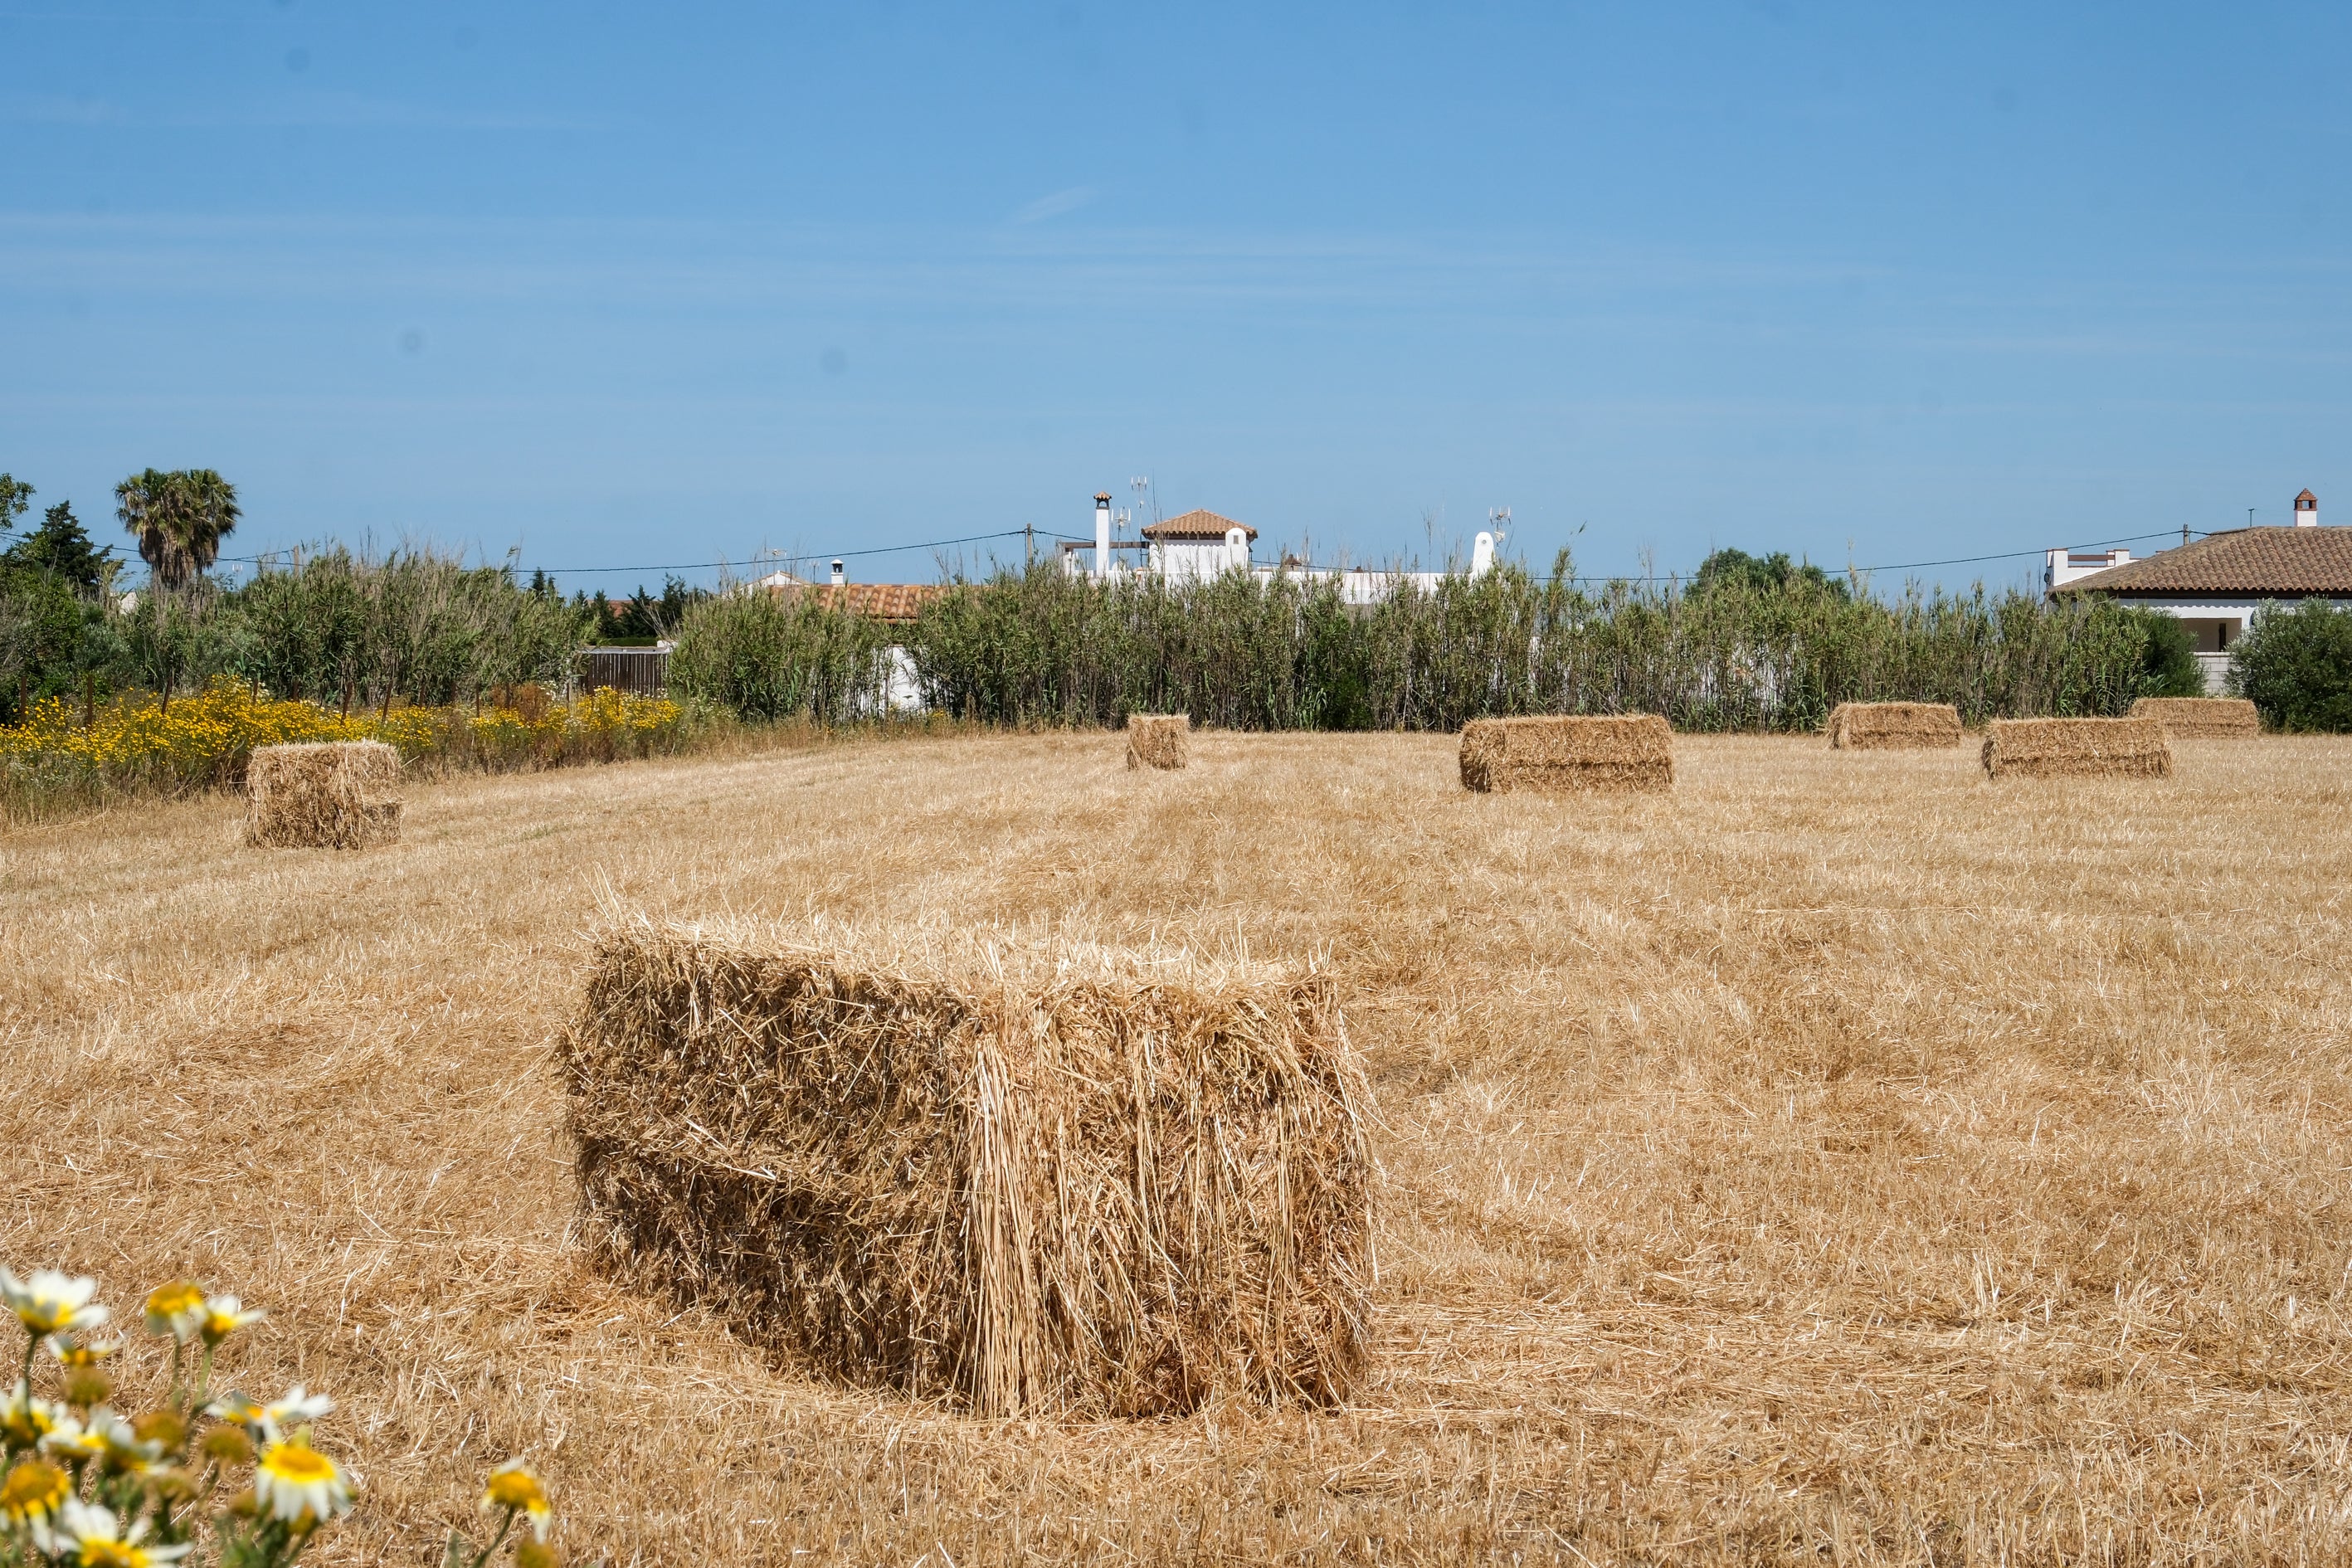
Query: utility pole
(1029, 545)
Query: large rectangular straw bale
(1064, 1181)
(2202, 718)
(1156, 739)
(333, 794)
(2077, 747)
(1894, 726)
(1620, 753)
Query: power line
(757, 558)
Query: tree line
(1748, 643)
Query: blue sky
(630, 286)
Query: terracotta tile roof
(1195, 524)
(877, 601)
(2278, 562)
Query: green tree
(2169, 667)
(62, 549)
(1762, 573)
(2297, 667)
(14, 497)
(179, 519)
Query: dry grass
(2076, 748)
(1894, 726)
(1633, 752)
(1156, 739)
(1032, 1178)
(2202, 718)
(322, 794)
(1841, 1159)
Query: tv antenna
(1496, 516)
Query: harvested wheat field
(1840, 1159)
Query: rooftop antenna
(2250, 516)
(1141, 485)
(1498, 517)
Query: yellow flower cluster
(206, 738)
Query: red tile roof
(899, 602)
(1196, 525)
(2258, 562)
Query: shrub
(771, 655)
(2297, 667)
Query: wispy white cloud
(1053, 205)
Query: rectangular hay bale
(1158, 740)
(330, 795)
(1633, 752)
(1067, 1180)
(2077, 747)
(2202, 718)
(1894, 726)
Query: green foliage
(1762, 574)
(15, 494)
(1766, 650)
(2297, 667)
(2170, 666)
(179, 519)
(769, 656)
(60, 548)
(642, 619)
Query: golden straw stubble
(1023, 1178)
(1633, 752)
(331, 795)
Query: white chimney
(839, 577)
(1237, 549)
(2306, 510)
(1102, 537)
(1482, 555)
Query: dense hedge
(1250, 652)
(2296, 665)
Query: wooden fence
(640, 671)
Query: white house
(2218, 585)
(1201, 545)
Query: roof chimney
(1102, 536)
(839, 577)
(2306, 510)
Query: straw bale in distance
(1894, 726)
(1025, 1180)
(330, 794)
(2202, 718)
(1156, 739)
(1619, 753)
(2077, 747)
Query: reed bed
(1837, 1161)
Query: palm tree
(179, 519)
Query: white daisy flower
(513, 1487)
(294, 1480)
(49, 1301)
(27, 1418)
(94, 1538)
(223, 1317)
(176, 1309)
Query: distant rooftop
(2245, 562)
